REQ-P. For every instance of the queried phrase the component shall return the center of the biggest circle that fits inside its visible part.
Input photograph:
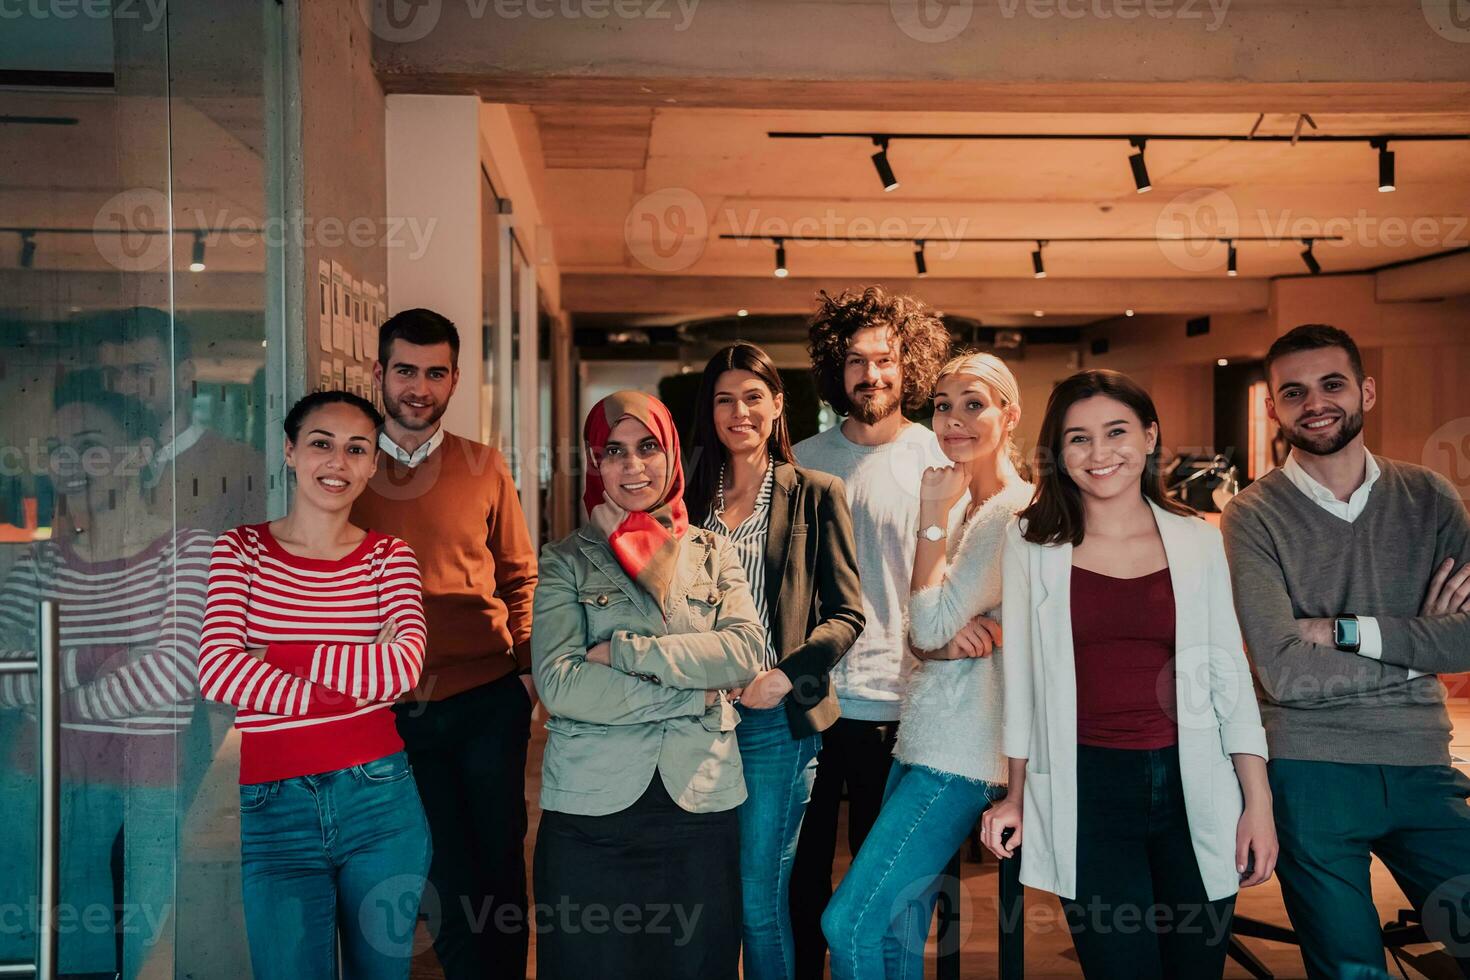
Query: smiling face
(93, 462)
(1105, 446)
(745, 411)
(633, 466)
(1318, 400)
(872, 374)
(417, 383)
(969, 420)
(334, 455)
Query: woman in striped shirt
(792, 531)
(312, 628)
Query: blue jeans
(343, 852)
(779, 771)
(878, 920)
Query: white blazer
(1217, 708)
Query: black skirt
(649, 893)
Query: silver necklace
(720, 493)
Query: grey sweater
(1290, 559)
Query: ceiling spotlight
(781, 270)
(1230, 269)
(196, 264)
(1313, 266)
(1127, 312)
(920, 266)
(880, 163)
(1036, 262)
(27, 249)
(1140, 171)
(1223, 362)
(1038, 313)
(742, 313)
(1385, 165)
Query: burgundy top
(1123, 638)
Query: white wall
(433, 163)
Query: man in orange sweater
(467, 725)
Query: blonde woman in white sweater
(948, 766)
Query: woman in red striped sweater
(312, 628)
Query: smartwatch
(1345, 633)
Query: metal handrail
(48, 717)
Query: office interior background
(601, 193)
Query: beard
(394, 408)
(1301, 438)
(874, 409)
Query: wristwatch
(1345, 633)
(932, 533)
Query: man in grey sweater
(1331, 558)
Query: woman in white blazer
(1131, 724)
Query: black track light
(1230, 269)
(1385, 165)
(880, 162)
(27, 249)
(196, 263)
(1140, 170)
(1313, 266)
(920, 266)
(781, 270)
(1036, 262)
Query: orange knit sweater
(459, 512)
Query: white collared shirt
(1370, 637)
(410, 459)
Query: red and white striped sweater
(320, 698)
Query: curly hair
(924, 342)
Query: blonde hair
(995, 375)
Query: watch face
(933, 533)
(1347, 632)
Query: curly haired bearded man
(873, 355)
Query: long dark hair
(706, 452)
(1055, 513)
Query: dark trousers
(855, 755)
(469, 759)
(1141, 910)
(1331, 817)
(651, 892)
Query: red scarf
(645, 543)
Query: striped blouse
(320, 699)
(129, 630)
(750, 545)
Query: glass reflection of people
(131, 595)
(792, 530)
(198, 476)
(313, 628)
(642, 622)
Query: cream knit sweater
(951, 716)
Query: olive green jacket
(612, 727)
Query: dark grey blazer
(813, 594)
